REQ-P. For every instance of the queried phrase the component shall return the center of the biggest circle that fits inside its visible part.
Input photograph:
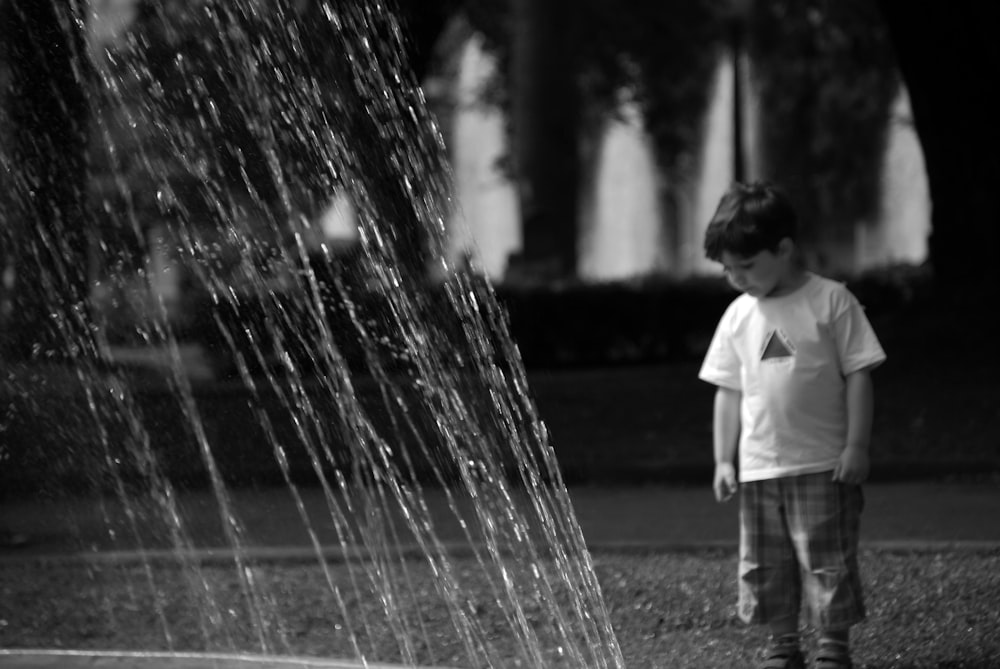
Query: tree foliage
(268, 110)
(824, 72)
(657, 54)
(827, 78)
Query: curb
(657, 472)
(109, 659)
(335, 554)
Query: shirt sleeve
(722, 366)
(857, 345)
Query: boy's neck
(796, 278)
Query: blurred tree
(577, 58)
(568, 67)
(827, 79)
(206, 105)
(423, 22)
(950, 60)
(828, 74)
(545, 115)
(43, 121)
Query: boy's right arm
(725, 436)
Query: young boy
(791, 359)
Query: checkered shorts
(799, 535)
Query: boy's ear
(786, 247)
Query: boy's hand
(853, 466)
(725, 482)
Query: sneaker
(783, 656)
(832, 654)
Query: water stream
(231, 124)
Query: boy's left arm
(854, 461)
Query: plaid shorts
(799, 535)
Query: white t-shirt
(789, 356)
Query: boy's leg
(770, 589)
(824, 516)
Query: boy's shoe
(781, 656)
(832, 656)
(824, 662)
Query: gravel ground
(670, 610)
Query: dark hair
(750, 218)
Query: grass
(669, 610)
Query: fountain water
(232, 122)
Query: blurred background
(587, 143)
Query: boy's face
(768, 273)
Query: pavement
(915, 515)
(62, 659)
(910, 515)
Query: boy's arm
(725, 436)
(855, 461)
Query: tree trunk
(950, 61)
(546, 117)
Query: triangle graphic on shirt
(775, 347)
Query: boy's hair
(750, 218)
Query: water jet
(219, 133)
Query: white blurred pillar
(621, 217)
(486, 221)
(903, 222)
